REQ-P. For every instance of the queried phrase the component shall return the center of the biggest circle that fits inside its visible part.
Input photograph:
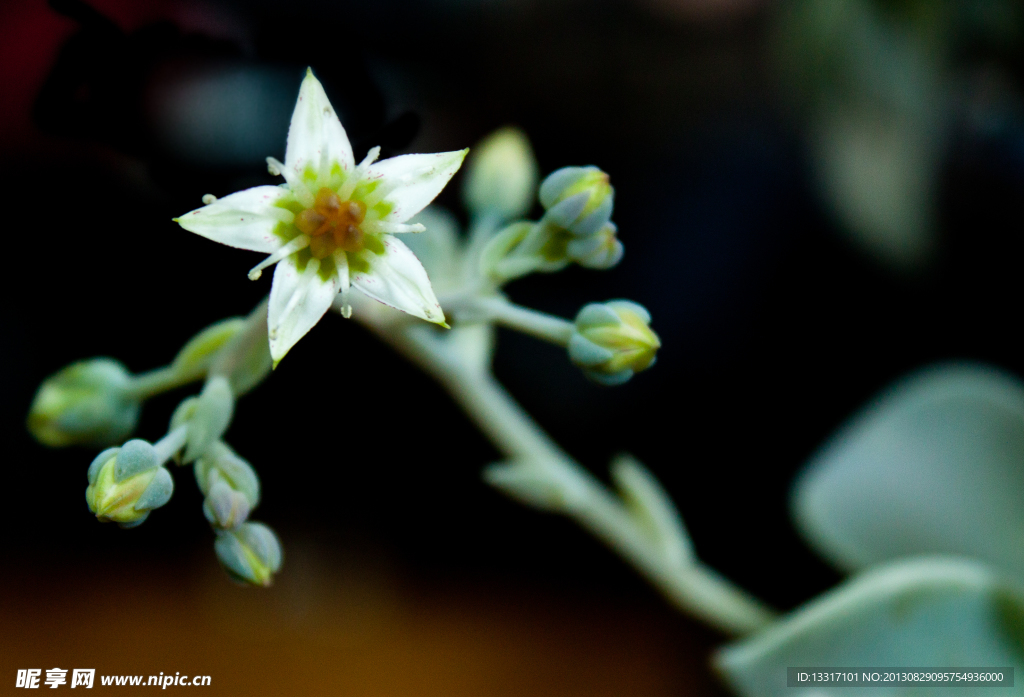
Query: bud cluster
(610, 341)
(578, 201)
(576, 226)
(97, 402)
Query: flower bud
(501, 175)
(220, 461)
(231, 486)
(126, 483)
(578, 199)
(224, 507)
(250, 553)
(599, 251)
(86, 403)
(612, 341)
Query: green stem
(483, 399)
(494, 308)
(246, 361)
(689, 586)
(149, 384)
(481, 231)
(246, 350)
(174, 441)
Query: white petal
(297, 301)
(410, 182)
(316, 137)
(246, 220)
(397, 278)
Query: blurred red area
(31, 34)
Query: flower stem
(497, 309)
(689, 585)
(153, 382)
(174, 441)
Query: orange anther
(327, 202)
(330, 214)
(349, 238)
(309, 221)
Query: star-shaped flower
(331, 225)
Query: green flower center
(332, 224)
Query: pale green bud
(126, 483)
(501, 175)
(578, 199)
(221, 461)
(250, 553)
(503, 258)
(225, 507)
(601, 250)
(612, 341)
(230, 484)
(86, 403)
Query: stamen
(294, 181)
(209, 198)
(353, 179)
(309, 221)
(370, 158)
(341, 264)
(327, 202)
(349, 238)
(295, 245)
(379, 226)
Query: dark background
(774, 327)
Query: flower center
(332, 224)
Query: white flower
(330, 225)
